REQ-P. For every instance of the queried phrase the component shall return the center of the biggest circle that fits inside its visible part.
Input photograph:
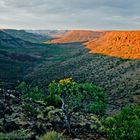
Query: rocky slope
(77, 36)
(123, 44)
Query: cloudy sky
(70, 14)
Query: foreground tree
(75, 97)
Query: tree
(77, 97)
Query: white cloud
(67, 14)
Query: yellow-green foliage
(66, 81)
(52, 135)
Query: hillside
(17, 58)
(6, 40)
(24, 35)
(123, 44)
(119, 77)
(77, 36)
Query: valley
(33, 64)
(39, 64)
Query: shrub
(28, 92)
(34, 93)
(23, 87)
(54, 100)
(125, 125)
(52, 135)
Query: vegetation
(22, 34)
(52, 135)
(28, 92)
(20, 134)
(40, 105)
(67, 95)
(85, 97)
(115, 75)
(77, 107)
(125, 125)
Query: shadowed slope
(77, 36)
(26, 36)
(6, 40)
(123, 44)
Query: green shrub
(34, 93)
(23, 87)
(125, 125)
(52, 135)
(54, 100)
(28, 92)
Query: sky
(70, 14)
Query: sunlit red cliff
(124, 44)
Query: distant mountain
(51, 33)
(123, 44)
(77, 36)
(24, 35)
(6, 40)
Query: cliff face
(77, 36)
(123, 44)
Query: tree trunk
(67, 116)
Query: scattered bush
(125, 125)
(15, 135)
(52, 135)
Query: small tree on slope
(75, 97)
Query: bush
(125, 125)
(28, 92)
(52, 135)
(34, 93)
(53, 100)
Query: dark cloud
(70, 14)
